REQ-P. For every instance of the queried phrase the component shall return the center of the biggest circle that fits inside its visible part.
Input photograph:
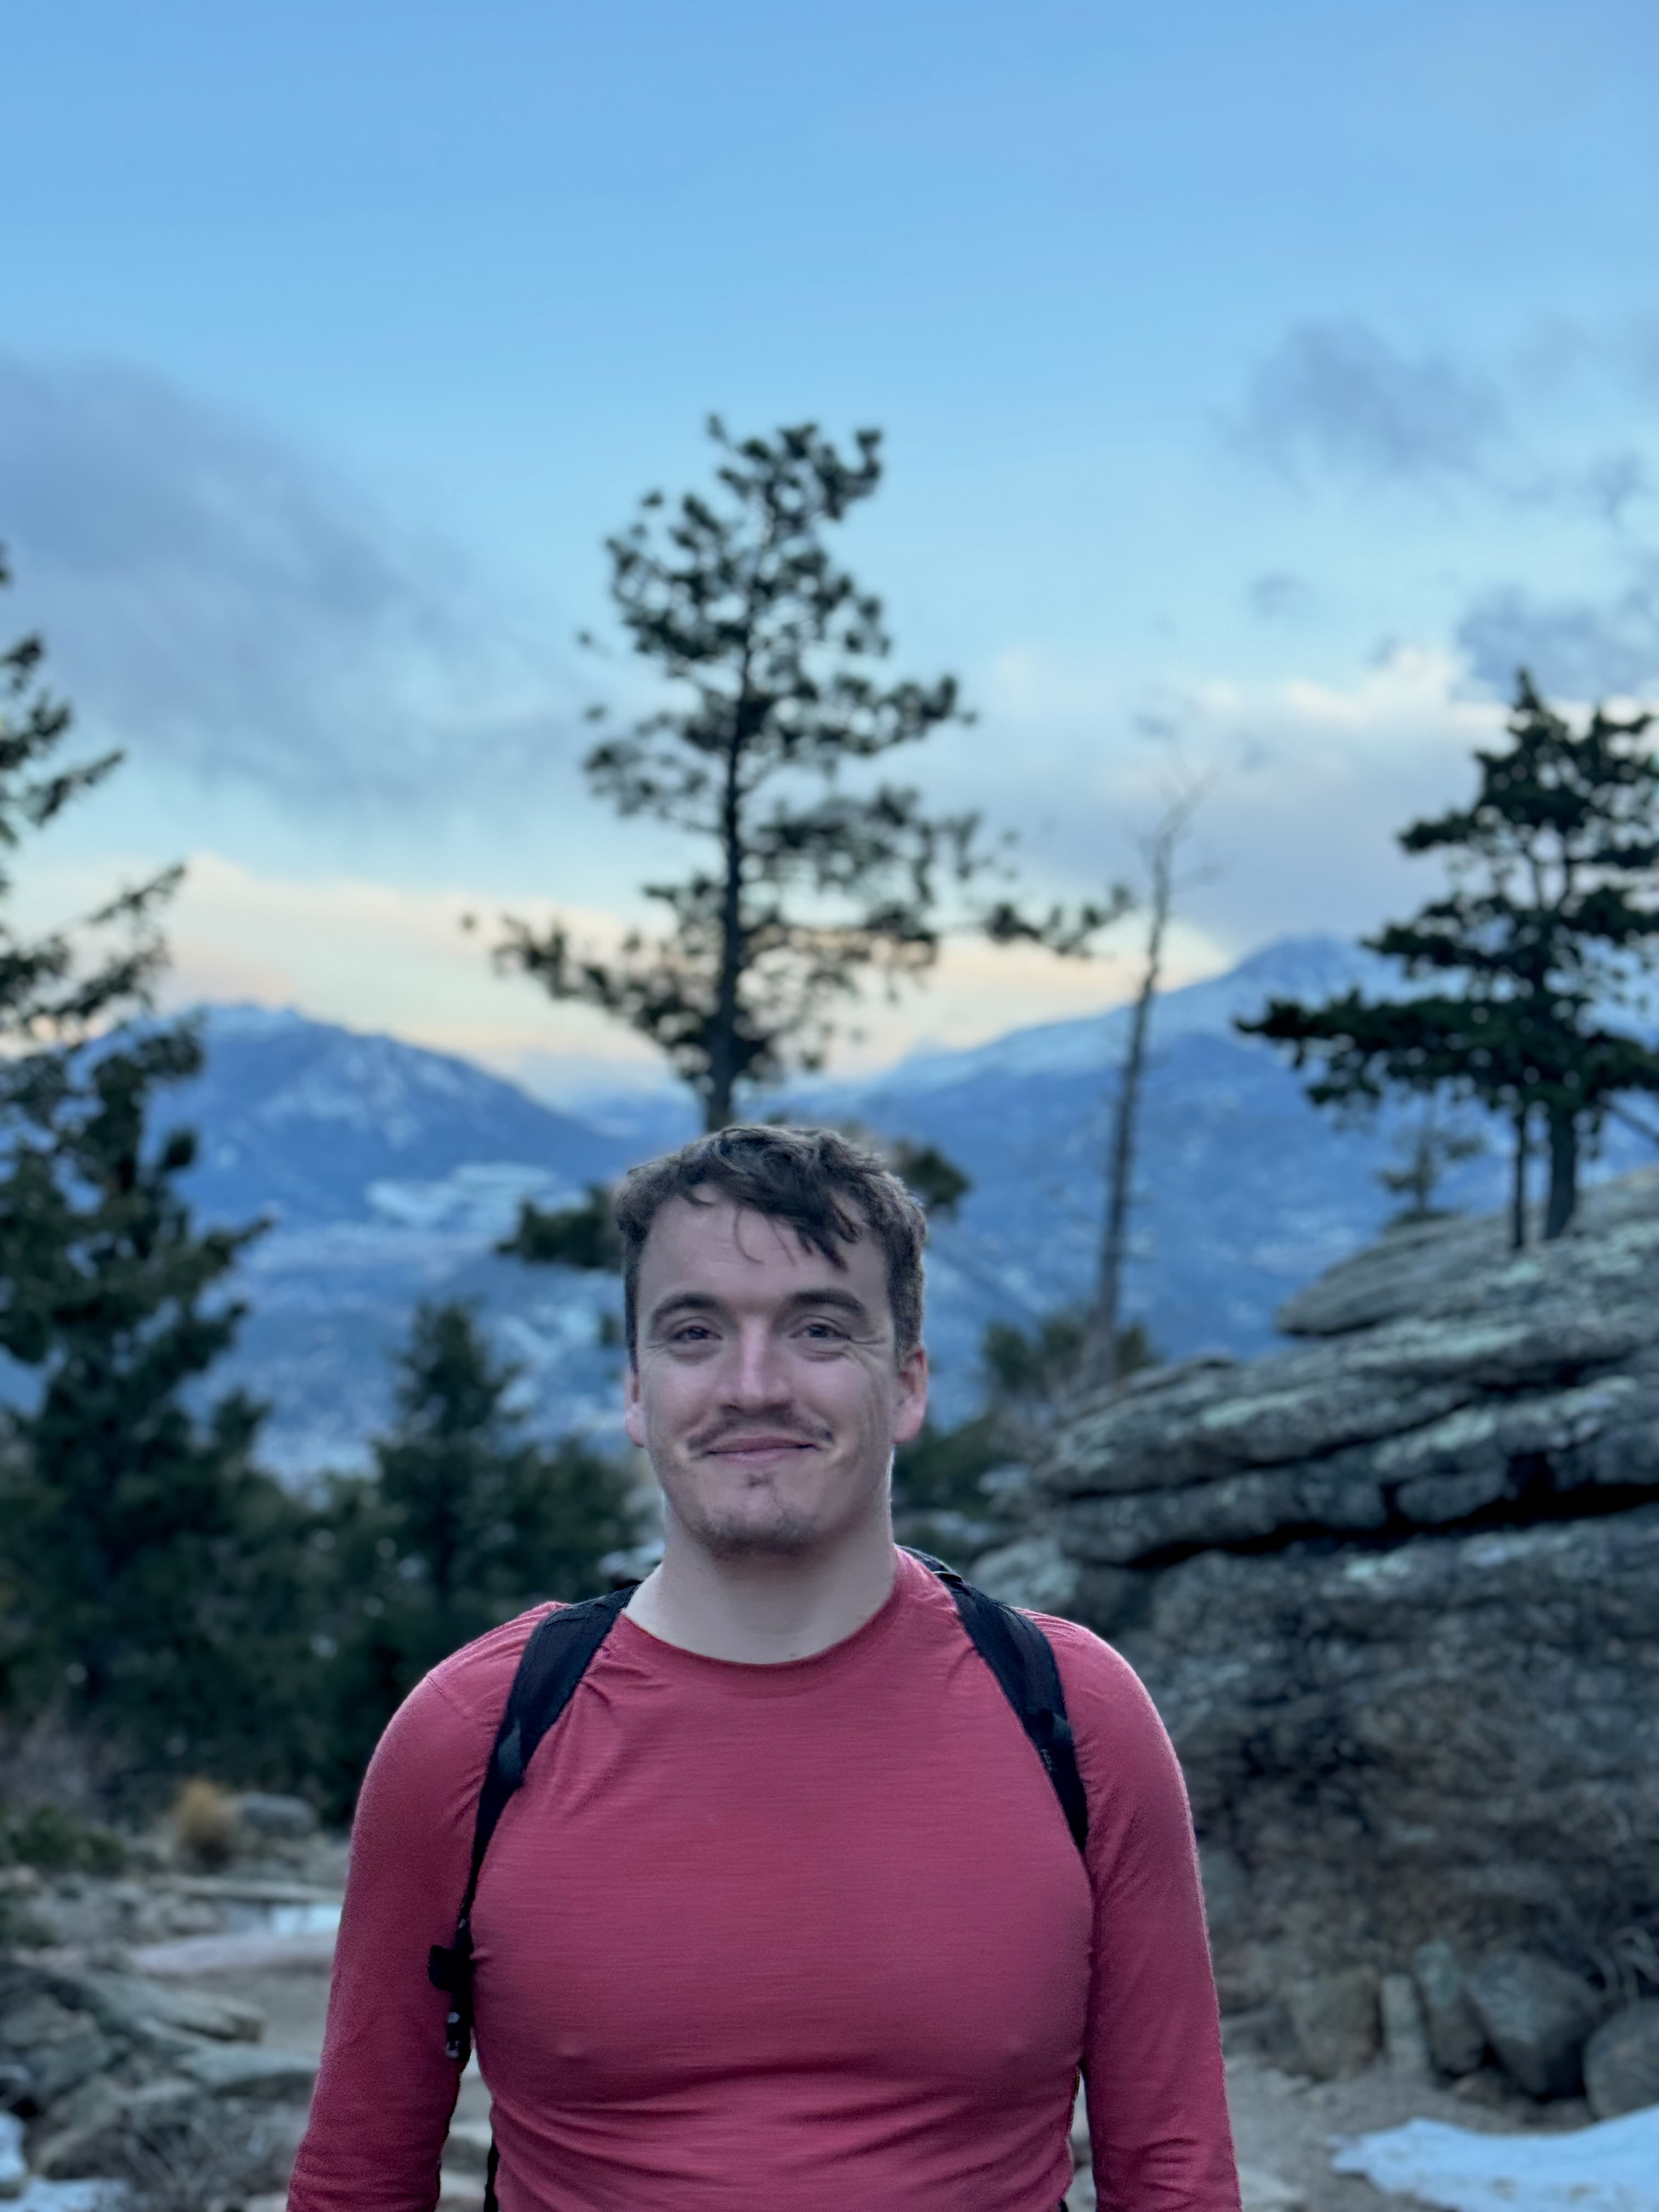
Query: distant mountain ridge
(390, 1171)
(1305, 968)
(305, 1120)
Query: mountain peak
(1312, 967)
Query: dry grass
(203, 2161)
(203, 1824)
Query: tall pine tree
(804, 888)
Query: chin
(779, 1536)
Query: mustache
(786, 1427)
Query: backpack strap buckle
(449, 1968)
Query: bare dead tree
(1159, 849)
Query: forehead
(711, 1243)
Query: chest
(701, 1889)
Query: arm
(385, 2089)
(1158, 2103)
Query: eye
(823, 1332)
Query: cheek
(855, 1402)
(669, 1400)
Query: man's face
(766, 1387)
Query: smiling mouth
(758, 1448)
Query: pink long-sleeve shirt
(813, 1936)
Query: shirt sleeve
(386, 2087)
(1152, 2069)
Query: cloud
(1613, 480)
(1574, 648)
(1278, 596)
(221, 603)
(1336, 396)
(1311, 779)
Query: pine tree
(808, 888)
(127, 1515)
(1549, 918)
(1422, 1158)
(464, 1521)
(57, 987)
(584, 1236)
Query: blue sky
(1275, 377)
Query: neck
(762, 1609)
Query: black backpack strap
(561, 1648)
(1022, 1659)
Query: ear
(911, 1410)
(633, 1407)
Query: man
(786, 1915)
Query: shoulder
(440, 1739)
(1100, 1675)
(475, 1680)
(1119, 1738)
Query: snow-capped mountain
(313, 1124)
(388, 1174)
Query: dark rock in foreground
(1621, 2063)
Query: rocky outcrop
(1449, 1384)
(112, 2074)
(1396, 1592)
(115, 2073)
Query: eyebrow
(701, 1301)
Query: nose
(755, 1375)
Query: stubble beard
(786, 1536)
(764, 1522)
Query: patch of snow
(221, 1017)
(13, 2172)
(479, 1201)
(42, 2195)
(1612, 2167)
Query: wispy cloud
(1311, 778)
(1576, 648)
(1278, 596)
(220, 602)
(1335, 396)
